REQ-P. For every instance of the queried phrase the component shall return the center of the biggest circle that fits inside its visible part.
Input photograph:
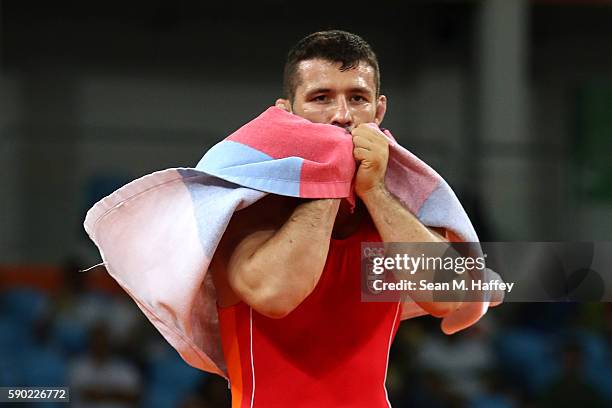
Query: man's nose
(342, 116)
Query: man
(287, 271)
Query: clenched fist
(371, 150)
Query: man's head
(333, 77)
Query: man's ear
(284, 104)
(381, 109)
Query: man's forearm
(287, 266)
(393, 222)
(397, 224)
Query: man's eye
(358, 98)
(320, 98)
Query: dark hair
(334, 46)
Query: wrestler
(287, 271)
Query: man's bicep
(237, 245)
(241, 255)
(243, 274)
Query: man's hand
(371, 150)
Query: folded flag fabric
(158, 234)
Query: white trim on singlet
(252, 363)
(389, 351)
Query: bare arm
(393, 222)
(274, 269)
(396, 224)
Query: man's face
(343, 98)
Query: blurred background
(510, 100)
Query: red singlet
(331, 351)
